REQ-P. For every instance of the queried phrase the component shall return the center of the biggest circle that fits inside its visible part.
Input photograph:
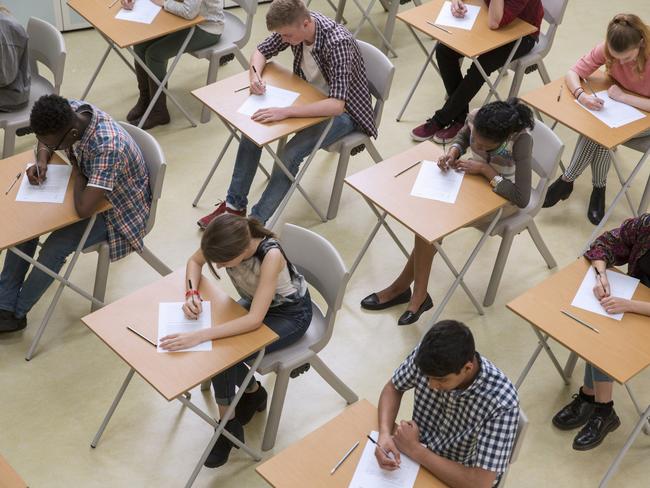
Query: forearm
(488, 172)
(330, 107)
(639, 307)
(389, 402)
(642, 103)
(600, 265)
(451, 473)
(259, 61)
(43, 154)
(80, 183)
(495, 14)
(193, 270)
(242, 325)
(572, 81)
(188, 9)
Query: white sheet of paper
(172, 320)
(445, 18)
(273, 97)
(369, 475)
(435, 184)
(621, 286)
(144, 11)
(52, 190)
(614, 114)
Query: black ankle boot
(596, 210)
(221, 450)
(251, 403)
(559, 190)
(603, 421)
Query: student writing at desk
(626, 57)
(501, 150)
(15, 77)
(157, 52)
(593, 405)
(465, 412)
(270, 288)
(326, 55)
(445, 123)
(106, 163)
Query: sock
(232, 207)
(584, 396)
(604, 409)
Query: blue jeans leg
(18, 294)
(296, 150)
(594, 374)
(248, 157)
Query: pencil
(242, 88)
(438, 27)
(256, 74)
(112, 4)
(13, 183)
(559, 95)
(345, 456)
(580, 321)
(590, 88)
(406, 169)
(142, 336)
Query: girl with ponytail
(273, 292)
(498, 136)
(626, 57)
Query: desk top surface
(8, 476)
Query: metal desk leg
(542, 344)
(389, 26)
(213, 169)
(111, 46)
(570, 365)
(617, 168)
(111, 410)
(502, 71)
(366, 17)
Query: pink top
(624, 74)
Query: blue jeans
(594, 374)
(18, 294)
(296, 150)
(289, 321)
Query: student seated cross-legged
(465, 413)
(107, 164)
(326, 55)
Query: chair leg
(101, 275)
(241, 58)
(372, 150)
(153, 261)
(543, 73)
(9, 143)
(337, 186)
(499, 266)
(516, 81)
(213, 68)
(541, 245)
(273, 419)
(334, 381)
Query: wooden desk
(432, 220)
(174, 374)
(224, 99)
(8, 477)
(125, 34)
(470, 43)
(308, 462)
(22, 221)
(621, 349)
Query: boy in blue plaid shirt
(465, 412)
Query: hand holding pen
(257, 85)
(192, 307)
(592, 102)
(602, 289)
(387, 454)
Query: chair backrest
(522, 427)
(379, 71)
(323, 268)
(249, 7)
(154, 158)
(46, 45)
(547, 151)
(553, 14)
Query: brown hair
(627, 31)
(227, 236)
(285, 12)
(4, 9)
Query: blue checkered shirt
(476, 426)
(338, 57)
(111, 160)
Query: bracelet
(190, 293)
(574, 91)
(43, 149)
(579, 93)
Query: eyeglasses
(56, 148)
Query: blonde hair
(285, 12)
(624, 32)
(4, 9)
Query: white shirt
(312, 71)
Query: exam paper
(614, 114)
(621, 286)
(172, 320)
(52, 190)
(273, 97)
(144, 11)
(436, 184)
(369, 475)
(445, 18)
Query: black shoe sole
(593, 445)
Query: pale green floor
(51, 407)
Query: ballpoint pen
(580, 321)
(142, 336)
(406, 169)
(345, 456)
(13, 183)
(438, 27)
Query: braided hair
(497, 121)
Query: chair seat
(233, 33)
(40, 86)
(353, 139)
(533, 57)
(299, 352)
(94, 247)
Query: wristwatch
(494, 182)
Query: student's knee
(444, 52)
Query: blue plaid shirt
(476, 426)
(112, 161)
(338, 57)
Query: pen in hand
(386, 453)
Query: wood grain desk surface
(22, 221)
(471, 43)
(308, 462)
(430, 219)
(8, 476)
(172, 374)
(223, 98)
(568, 112)
(125, 33)
(621, 348)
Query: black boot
(159, 114)
(576, 413)
(251, 403)
(221, 450)
(559, 190)
(603, 421)
(143, 98)
(596, 210)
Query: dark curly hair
(51, 114)
(497, 121)
(445, 349)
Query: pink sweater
(624, 74)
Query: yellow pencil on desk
(13, 183)
(406, 169)
(580, 321)
(559, 95)
(113, 4)
(438, 27)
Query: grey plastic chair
(323, 268)
(46, 45)
(553, 14)
(547, 151)
(642, 144)
(522, 427)
(235, 36)
(379, 71)
(154, 158)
